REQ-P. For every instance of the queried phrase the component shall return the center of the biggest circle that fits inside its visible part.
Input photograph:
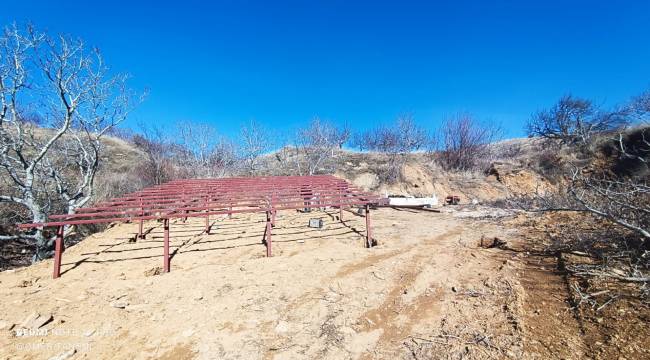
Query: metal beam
(207, 197)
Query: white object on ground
(413, 201)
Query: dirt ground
(428, 290)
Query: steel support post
(368, 229)
(269, 252)
(141, 225)
(207, 218)
(58, 249)
(166, 246)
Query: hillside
(478, 280)
(421, 177)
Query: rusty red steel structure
(209, 197)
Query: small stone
(137, 307)
(282, 327)
(31, 317)
(119, 304)
(89, 333)
(188, 332)
(36, 320)
(64, 355)
(153, 271)
(453, 288)
(5, 325)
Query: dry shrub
(466, 143)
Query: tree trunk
(44, 245)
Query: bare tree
(624, 201)
(344, 134)
(397, 141)
(639, 108)
(155, 144)
(465, 142)
(197, 151)
(223, 158)
(573, 121)
(67, 85)
(202, 152)
(315, 144)
(255, 142)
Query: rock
(5, 325)
(25, 283)
(198, 297)
(453, 288)
(282, 327)
(36, 320)
(119, 304)
(138, 307)
(153, 271)
(64, 355)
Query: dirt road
(429, 290)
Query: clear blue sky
(282, 63)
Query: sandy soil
(428, 290)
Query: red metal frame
(206, 197)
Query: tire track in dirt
(396, 317)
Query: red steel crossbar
(207, 197)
